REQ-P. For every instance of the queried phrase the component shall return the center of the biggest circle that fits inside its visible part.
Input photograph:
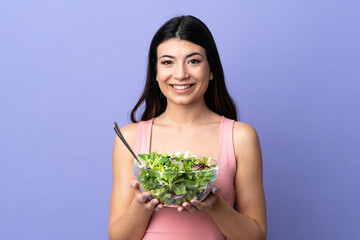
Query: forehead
(178, 47)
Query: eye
(166, 62)
(194, 61)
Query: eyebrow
(187, 56)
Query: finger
(134, 184)
(197, 204)
(152, 204)
(142, 196)
(139, 195)
(215, 189)
(180, 209)
(189, 207)
(159, 207)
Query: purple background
(68, 69)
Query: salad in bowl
(176, 178)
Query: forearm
(233, 224)
(132, 225)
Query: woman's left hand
(196, 206)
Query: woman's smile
(181, 87)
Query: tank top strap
(143, 138)
(226, 145)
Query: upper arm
(122, 161)
(249, 174)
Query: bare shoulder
(130, 127)
(129, 131)
(244, 133)
(246, 140)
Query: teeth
(181, 87)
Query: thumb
(134, 184)
(215, 189)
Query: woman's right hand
(145, 199)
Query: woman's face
(183, 72)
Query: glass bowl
(174, 188)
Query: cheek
(162, 74)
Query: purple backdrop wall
(68, 69)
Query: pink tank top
(170, 224)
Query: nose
(181, 72)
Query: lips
(181, 87)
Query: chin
(183, 101)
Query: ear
(211, 76)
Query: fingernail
(187, 206)
(146, 195)
(154, 202)
(216, 189)
(193, 202)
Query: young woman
(187, 108)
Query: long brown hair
(216, 96)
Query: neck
(178, 114)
